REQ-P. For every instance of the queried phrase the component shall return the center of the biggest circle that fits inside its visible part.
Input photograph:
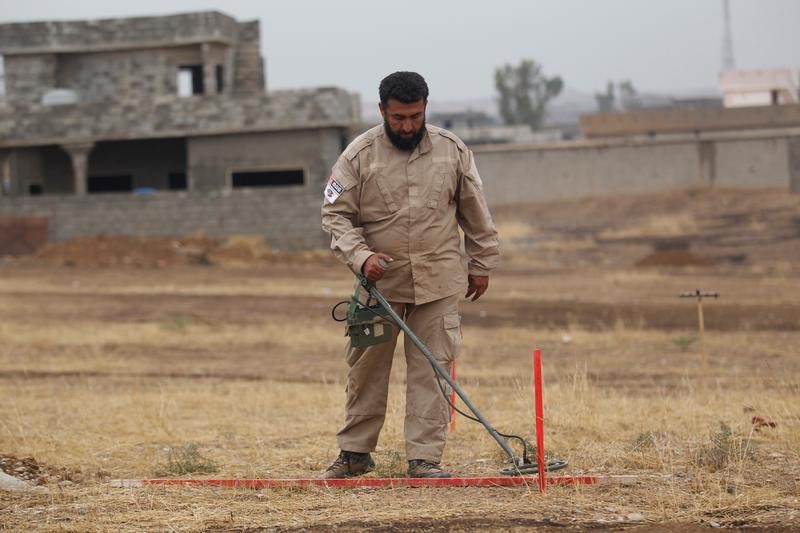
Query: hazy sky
(661, 45)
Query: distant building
(744, 88)
(168, 105)
(478, 127)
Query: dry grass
(112, 384)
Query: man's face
(404, 123)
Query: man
(397, 196)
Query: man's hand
(477, 286)
(372, 268)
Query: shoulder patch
(453, 137)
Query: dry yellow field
(108, 373)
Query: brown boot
(349, 464)
(426, 469)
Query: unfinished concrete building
(161, 125)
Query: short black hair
(403, 86)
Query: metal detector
(362, 321)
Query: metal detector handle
(376, 294)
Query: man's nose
(407, 126)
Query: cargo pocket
(452, 330)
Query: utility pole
(727, 38)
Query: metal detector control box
(367, 325)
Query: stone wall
(129, 61)
(176, 117)
(27, 79)
(114, 34)
(248, 73)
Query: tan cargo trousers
(438, 325)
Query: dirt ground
(115, 354)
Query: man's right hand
(372, 268)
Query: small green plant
(644, 441)
(684, 342)
(187, 459)
(721, 448)
(178, 322)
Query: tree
(628, 96)
(605, 101)
(524, 93)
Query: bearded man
(397, 196)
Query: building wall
(29, 77)
(654, 122)
(148, 161)
(120, 76)
(212, 159)
(517, 174)
(289, 216)
(249, 77)
(286, 219)
(105, 34)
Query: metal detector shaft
(376, 294)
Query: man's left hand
(477, 286)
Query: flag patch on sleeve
(333, 190)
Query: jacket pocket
(436, 191)
(383, 187)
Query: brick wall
(287, 217)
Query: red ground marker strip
(504, 481)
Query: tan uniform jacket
(409, 205)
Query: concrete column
(229, 66)
(707, 155)
(794, 163)
(209, 70)
(5, 173)
(79, 154)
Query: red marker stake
(453, 398)
(537, 390)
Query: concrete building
(161, 125)
(761, 87)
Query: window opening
(190, 80)
(220, 71)
(176, 181)
(268, 178)
(100, 184)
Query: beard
(407, 144)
